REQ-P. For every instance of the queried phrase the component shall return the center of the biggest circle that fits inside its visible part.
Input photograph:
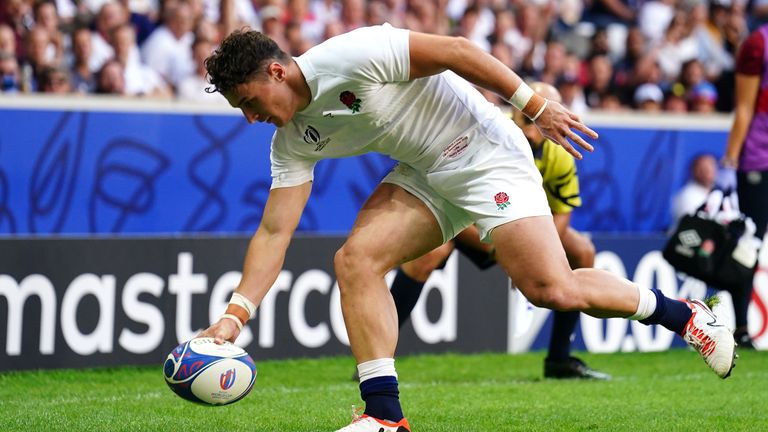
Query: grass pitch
(669, 391)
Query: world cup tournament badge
(502, 200)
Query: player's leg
(392, 227)
(469, 244)
(411, 277)
(530, 252)
(409, 282)
(559, 363)
(753, 199)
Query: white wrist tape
(243, 302)
(233, 318)
(541, 110)
(522, 95)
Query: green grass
(669, 391)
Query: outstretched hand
(559, 125)
(221, 331)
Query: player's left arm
(432, 54)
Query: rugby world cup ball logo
(227, 379)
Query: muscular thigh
(531, 253)
(393, 227)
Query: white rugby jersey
(363, 102)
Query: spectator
(192, 88)
(654, 18)
(111, 79)
(296, 43)
(66, 11)
(712, 51)
(602, 13)
(649, 98)
(692, 74)
(142, 23)
(111, 16)
(376, 13)
(506, 32)
(7, 39)
(206, 30)
(37, 57)
(9, 71)
(168, 50)
(534, 28)
(702, 98)
(554, 62)
(352, 14)
(273, 25)
(140, 80)
(635, 49)
(311, 28)
(230, 15)
(467, 28)
(702, 175)
(332, 28)
(326, 11)
(677, 47)
(427, 16)
(600, 80)
(83, 78)
(675, 103)
(572, 93)
(735, 32)
(47, 17)
(55, 80)
(18, 16)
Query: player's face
(266, 98)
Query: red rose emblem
(501, 198)
(347, 98)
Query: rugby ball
(205, 372)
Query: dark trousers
(752, 188)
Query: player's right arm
(432, 54)
(266, 253)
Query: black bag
(703, 248)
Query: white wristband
(233, 318)
(522, 95)
(244, 303)
(541, 110)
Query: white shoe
(366, 423)
(711, 338)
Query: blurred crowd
(651, 55)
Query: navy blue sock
(381, 397)
(405, 291)
(672, 314)
(563, 325)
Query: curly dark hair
(241, 55)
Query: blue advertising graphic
(97, 172)
(89, 172)
(628, 182)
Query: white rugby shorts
(484, 178)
